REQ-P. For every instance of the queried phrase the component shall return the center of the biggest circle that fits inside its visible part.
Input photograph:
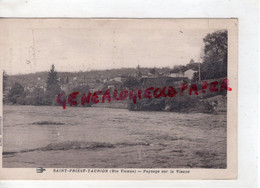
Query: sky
(28, 46)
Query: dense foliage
(53, 86)
(5, 77)
(215, 55)
(16, 93)
(37, 96)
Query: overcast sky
(29, 46)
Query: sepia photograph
(118, 93)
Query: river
(111, 138)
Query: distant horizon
(86, 70)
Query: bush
(179, 103)
(147, 105)
(190, 105)
(16, 93)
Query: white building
(118, 79)
(189, 73)
(176, 74)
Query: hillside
(85, 77)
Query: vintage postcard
(135, 99)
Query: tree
(81, 89)
(53, 86)
(139, 74)
(152, 71)
(62, 81)
(5, 77)
(214, 63)
(132, 83)
(16, 92)
(192, 61)
(38, 97)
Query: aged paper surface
(119, 98)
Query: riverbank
(212, 105)
(112, 104)
(215, 105)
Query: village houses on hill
(147, 77)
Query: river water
(111, 138)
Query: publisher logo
(40, 170)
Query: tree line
(215, 56)
(18, 95)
